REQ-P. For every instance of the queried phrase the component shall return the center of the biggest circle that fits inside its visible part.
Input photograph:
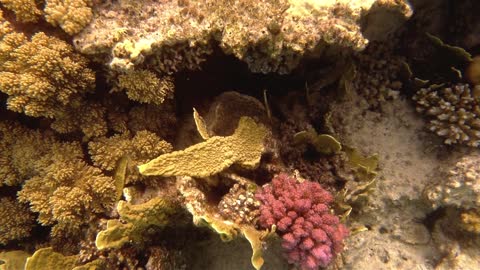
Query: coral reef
(311, 235)
(12, 260)
(244, 147)
(140, 148)
(272, 37)
(17, 221)
(239, 205)
(454, 112)
(25, 10)
(41, 75)
(71, 15)
(134, 221)
(145, 87)
(462, 188)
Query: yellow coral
(144, 86)
(214, 155)
(25, 10)
(134, 221)
(16, 221)
(71, 15)
(145, 145)
(18, 148)
(471, 220)
(41, 76)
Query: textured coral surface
(311, 235)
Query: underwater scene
(239, 135)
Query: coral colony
(311, 235)
(127, 125)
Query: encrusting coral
(134, 222)
(145, 87)
(71, 15)
(16, 222)
(25, 10)
(244, 147)
(454, 111)
(270, 36)
(139, 148)
(311, 235)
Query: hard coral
(25, 10)
(71, 15)
(16, 220)
(311, 235)
(454, 111)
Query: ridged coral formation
(244, 147)
(454, 112)
(134, 222)
(140, 148)
(16, 220)
(462, 188)
(270, 36)
(145, 87)
(25, 10)
(311, 235)
(71, 15)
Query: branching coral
(16, 220)
(59, 185)
(145, 87)
(71, 15)
(138, 149)
(454, 111)
(244, 147)
(25, 10)
(41, 76)
(311, 235)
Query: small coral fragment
(311, 235)
(134, 221)
(142, 147)
(471, 221)
(462, 188)
(146, 87)
(16, 220)
(71, 15)
(244, 147)
(454, 112)
(25, 10)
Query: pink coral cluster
(300, 210)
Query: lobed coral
(57, 183)
(311, 235)
(145, 87)
(454, 112)
(16, 222)
(139, 148)
(25, 10)
(42, 75)
(271, 36)
(71, 15)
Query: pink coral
(311, 235)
